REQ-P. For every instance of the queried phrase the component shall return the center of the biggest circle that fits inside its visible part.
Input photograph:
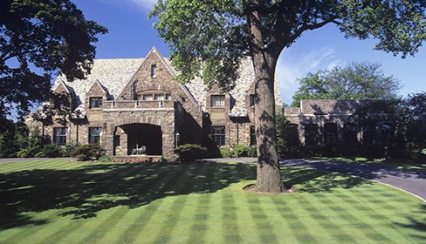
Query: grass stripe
(34, 165)
(200, 214)
(127, 234)
(175, 208)
(62, 232)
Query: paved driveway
(413, 181)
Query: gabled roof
(242, 86)
(112, 73)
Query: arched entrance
(138, 135)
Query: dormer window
(153, 70)
(218, 101)
(95, 102)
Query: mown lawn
(50, 201)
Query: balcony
(129, 104)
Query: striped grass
(54, 201)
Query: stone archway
(138, 135)
(151, 120)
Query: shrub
(240, 150)
(35, 144)
(88, 152)
(40, 155)
(190, 152)
(22, 153)
(104, 158)
(68, 149)
(50, 150)
(226, 152)
(252, 152)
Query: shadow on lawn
(311, 180)
(416, 223)
(82, 192)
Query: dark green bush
(190, 152)
(68, 149)
(226, 152)
(50, 151)
(88, 152)
(22, 153)
(104, 158)
(240, 150)
(252, 152)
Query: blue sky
(131, 35)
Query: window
(252, 100)
(218, 134)
(168, 97)
(95, 102)
(147, 97)
(159, 97)
(95, 135)
(350, 134)
(218, 100)
(311, 134)
(60, 135)
(330, 134)
(252, 136)
(153, 70)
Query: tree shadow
(416, 224)
(84, 191)
(312, 180)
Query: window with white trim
(60, 135)
(95, 135)
(95, 102)
(218, 101)
(218, 134)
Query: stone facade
(139, 102)
(336, 123)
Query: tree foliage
(209, 39)
(212, 36)
(38, 38)
(355, 81)
(415, 110)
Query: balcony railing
(137, 104)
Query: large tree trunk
(264, 60)
(268, 169)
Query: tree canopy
(210, 37)
(38, 39)
(355, 81)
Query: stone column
(107, 143)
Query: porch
(137, 159)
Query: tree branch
(332, 19)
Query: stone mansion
(126, 104)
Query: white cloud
(295, 66)
(145, 4)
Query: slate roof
(245, 80)
(114, 74)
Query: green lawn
(51, 201)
